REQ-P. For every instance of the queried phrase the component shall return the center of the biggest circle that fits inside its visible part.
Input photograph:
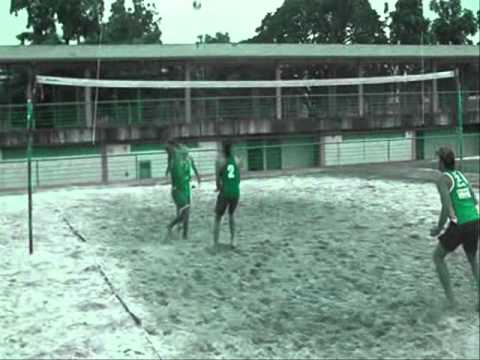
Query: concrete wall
(13, 175)
(299, 153)
(67, 171)
(124, 160)
(358, 149)
(435, 139)
(123, 165)
(332, 150)
(50, 172)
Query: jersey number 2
(231, 171)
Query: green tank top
(231, 179)
(462, 200)
(180, 172)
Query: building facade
(340, 122)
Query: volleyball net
(267, 155)
(284, 152)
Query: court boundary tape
(106, 278)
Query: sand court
(326, 266)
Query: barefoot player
(228, 187)
(459, 208)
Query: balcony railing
(159, 112)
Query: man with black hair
(228, 186)
(459, 208)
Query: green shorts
(181, 197)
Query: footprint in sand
(198, 276)
(87, 306)
(175, 319)
(75, 254)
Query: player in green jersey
(459, 207)
(180, 167)
(228, 186)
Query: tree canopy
(295, 21)
(408, 24)
(136, 25)
(453, 25)
(322, 21)
(80, 20)
(218, 38)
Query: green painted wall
(432, 140)
(299, 153)
(45, 152)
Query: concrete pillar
(434, 89)
(104, 157)
(332, 91)
(88, 103)
(361, 99)
(255, 104)
(188, 95)
(78, 104)
(8, 125)
(410, 136)
(278, 92)
(321, 152)
(332, 154)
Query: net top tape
(149, 84)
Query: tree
(78, 18)
(407, 23)
(40, 17)
(478, 23)
(219, 38)
(322, 21)
(453, 25)
(132, 26)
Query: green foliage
(454, 25)
(408, 25)
(219, 38)
(78, 18)
(322, 21)
(137, 25)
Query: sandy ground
(327, 267)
